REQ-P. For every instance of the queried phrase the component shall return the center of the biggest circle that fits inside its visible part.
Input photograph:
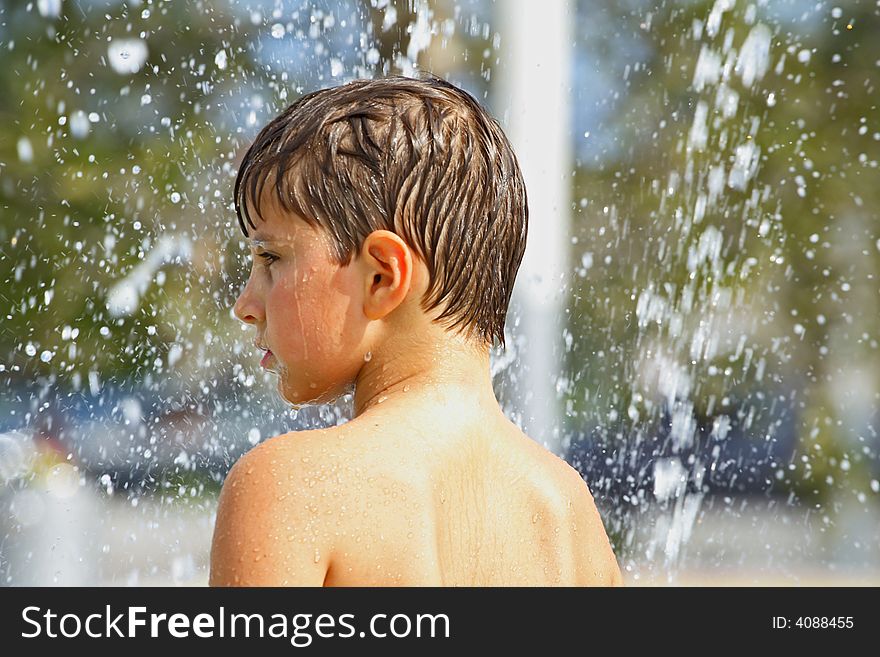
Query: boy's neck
(445, 369)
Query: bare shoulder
(269, 529)
(598, 559)
(571, 498)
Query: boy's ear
(389, 268)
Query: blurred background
(695, 327)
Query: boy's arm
(266, 533)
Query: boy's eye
(268, 258)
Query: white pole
(533, 95)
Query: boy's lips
(266, 358)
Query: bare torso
(442, 501)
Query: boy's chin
(305, 395)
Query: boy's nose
(247, 308)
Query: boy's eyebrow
(262, 240)
(258, 240)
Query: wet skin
(429, 483)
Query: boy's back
(442, 501)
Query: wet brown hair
(418, 157)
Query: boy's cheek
(305, 339)
(335, 325)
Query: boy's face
(306, 309)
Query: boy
(387, 219)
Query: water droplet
(127, 56)
(25, 150)
(79, 124)
(369, 354)
(49, 8)
(754, 55)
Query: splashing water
(719, 332)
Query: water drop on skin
(368, 356)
